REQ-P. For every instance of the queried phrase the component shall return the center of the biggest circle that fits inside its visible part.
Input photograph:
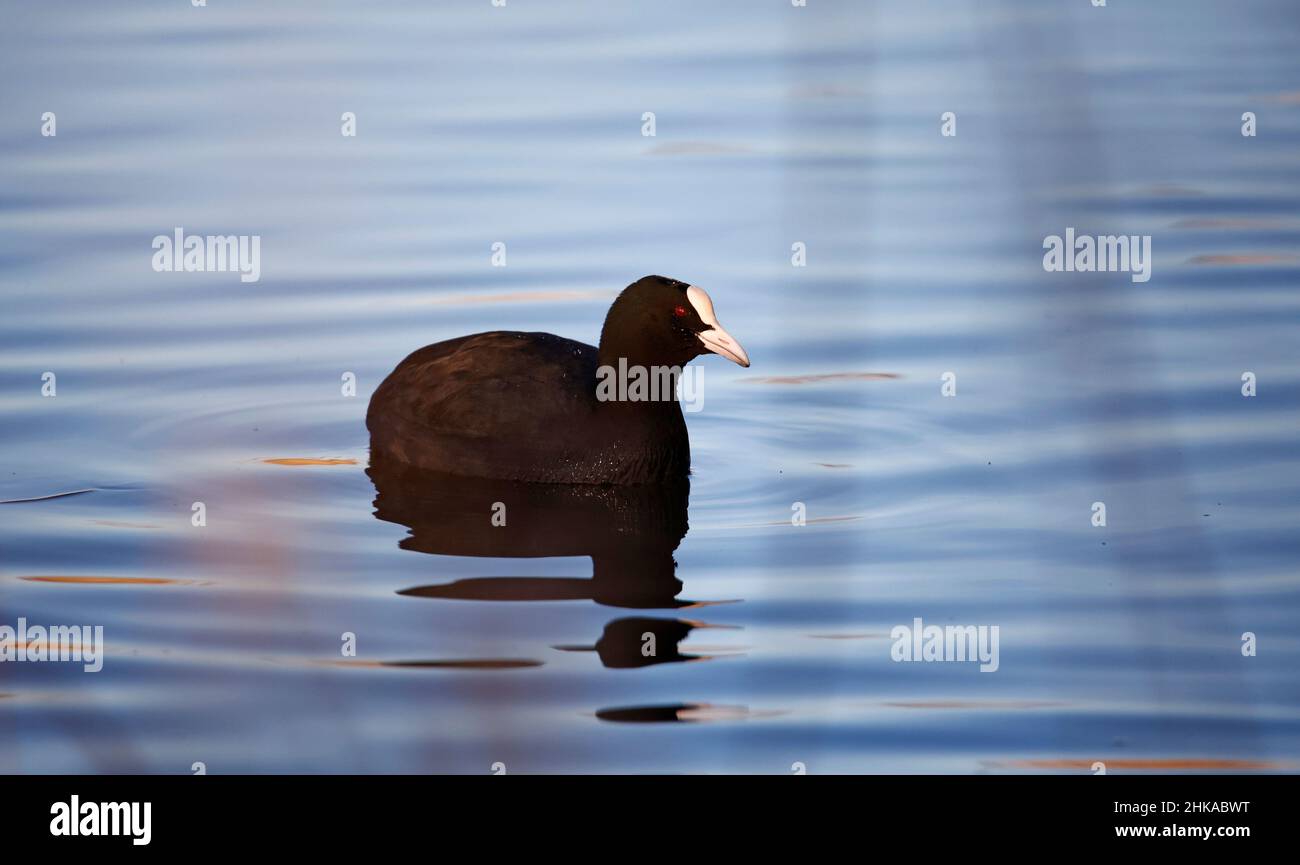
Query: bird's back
(499, 404)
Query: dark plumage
(525, 407)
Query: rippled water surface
(775, 125)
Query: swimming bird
(538, 407)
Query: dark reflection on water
(629, 533)
(640, 641)
(675, 713)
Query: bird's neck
(622, 385)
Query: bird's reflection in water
(640, 641)
(630, 534)
(673, 713)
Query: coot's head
(658, 321)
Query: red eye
(679, 311)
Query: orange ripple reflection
(308, 461)
(107, 581)
(829, 376)
(523, 297)
(1260, 258)
(1228, 222)
(978, 704)
(1148, 763)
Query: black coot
(527, 407)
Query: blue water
(775, 125)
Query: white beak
(715, 339)
(718, 341)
